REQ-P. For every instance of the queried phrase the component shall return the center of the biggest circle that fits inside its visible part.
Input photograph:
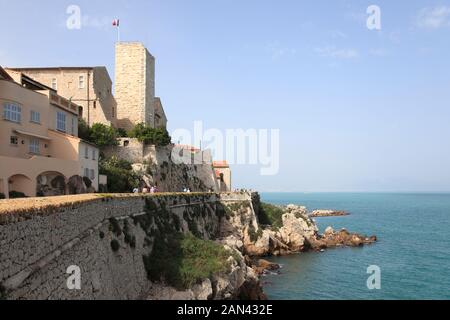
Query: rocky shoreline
(299, 233)
(328, 213)
(249, 243)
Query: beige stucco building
(88, 87)
(39, 147)
(134, 87)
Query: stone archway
(50, 183)
(19, 186)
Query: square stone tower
(134, 85)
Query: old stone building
(223, 175)
(134, 85)
(160, 115)
(88, 87)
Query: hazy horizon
(358, 110)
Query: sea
(411, 259)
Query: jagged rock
(203, 291)
(328, 213)
(162, 292)
(332, 239)
(233, 242)
(328, 231)
(262, 266)
(297, 228)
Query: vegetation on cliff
(99, 134)
(157, 136)
(104, 136)
(185, 260)
(121, 176)
(270, 215)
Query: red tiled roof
(220, 164)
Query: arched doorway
(50, 184)
(20, 186)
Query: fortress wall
(41, 238)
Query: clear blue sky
(358, 110)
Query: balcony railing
(63, 103)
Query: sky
(357, 109)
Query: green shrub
(270, 215)
(102, 135)
(121, 177)
(148, 135)
(2, 196)
(122, 133)
(254, 235)
(115, 245)
(183, 260)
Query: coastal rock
(297, 228)
(269, 243)
(341, 238)
(232, 242)
(162, 292)
(329, 231)
(203, 291)
(327, 213)
(262, 266)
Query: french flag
(116, 23)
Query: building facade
(223, 175)
(88, 87)
(160, 115)
(134, 87)
(39, 147)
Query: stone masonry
(134, 85)
(39, 242)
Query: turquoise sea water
(413, 251)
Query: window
(12, 112)
(92, 176)
(35, 117)
(113, 112)
(95, 104)
(34, 146)
(86, 152)
(86, 172)
(61, 121)
(73, 126)
(14, 140)
(94, 154)
(81, 82)
(54, 84)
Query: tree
(121, 177)
(102, 135)
(84, 131)
(148, 135)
